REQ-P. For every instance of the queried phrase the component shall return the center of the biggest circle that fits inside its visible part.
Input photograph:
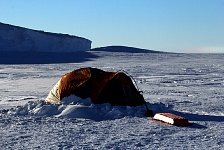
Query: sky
(190, 26)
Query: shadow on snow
(160, 107)
(45, 57)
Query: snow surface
(190, 85)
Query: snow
(189, 85)
(75, 107)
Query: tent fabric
(102, 87)
(53, 96)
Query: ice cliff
(14, 38)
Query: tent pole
(148, 112)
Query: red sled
(171, 119)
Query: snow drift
(19, 39)
(75, 107)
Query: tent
(115, 88)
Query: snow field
(190, 85)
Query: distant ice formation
(14, 38)
(125, 49)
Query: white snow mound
(75, 107)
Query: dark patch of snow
(45, 57)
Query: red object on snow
(171, 119)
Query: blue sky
(167, 25)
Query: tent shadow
(190, 116)
(45, 57)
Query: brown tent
(102, 87)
